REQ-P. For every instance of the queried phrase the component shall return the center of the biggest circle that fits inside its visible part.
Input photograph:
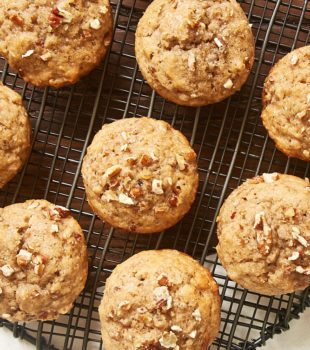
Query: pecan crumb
(124, 199)
(269, 178)
(219, 42)
(233, 215)
(95, 24)
(62, 211)
(17, 20)
(28, 53)
(85, 34)
(162, 280)
(229, 84)
(294, 256)
(180, 161)
(146, 160)
(137, 191)
(173, 201)
(112, 171)
(168, 340)
(157, 186)
(55, 18)
(303, 270)
(23, 257)
(289, 213)
(264, 239)
(294, 59)
(7, 270)
(77, 236)
(296, 235)
(131, 160)
(193, 334)
(197, 315)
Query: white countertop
(296, 338)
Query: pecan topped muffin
(194, 52)
(140, 175)
(43, 261)
(286, 104)
(264, 234)
(54, 42)
(15, 134)
(160, 299)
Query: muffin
(140, 175)
(15, 134)
(54, 42)
(160, 299)
(286, 104)
(194, 52)
(264, 234)
(43, 261)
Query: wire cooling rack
(231, 145)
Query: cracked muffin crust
(140, 175)
(161, 299)
(194, 52)
(43, 261)
(264, 234)
(54, 42)
(15, 134)
(286, 104)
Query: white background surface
(297, 338)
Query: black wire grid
(231, 145)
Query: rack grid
(231, 145)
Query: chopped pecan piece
(173, 201)
(55, 18)
(17, 20)
(168, 340)
(162, 280)
(63, 212)
(146, 160)
(7, 270)
(137, 191)
(264, 238)
(23, 257)
(77, 236)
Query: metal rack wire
(231, 145)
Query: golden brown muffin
(140, 175)
(264, 234)
(194, 52)
(15, 134)
(160, 299)
(43, 261)
(54, 42)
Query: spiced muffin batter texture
(286, 104)
(140, 175)
(43, 261)
(264, 234)
(194, 52)
(160, 299)
(15, 134)
(54, 42)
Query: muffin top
(54, 42)
(140, 174)
(160, 299)
(15, 134)
(43, 261)
(264, 234)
